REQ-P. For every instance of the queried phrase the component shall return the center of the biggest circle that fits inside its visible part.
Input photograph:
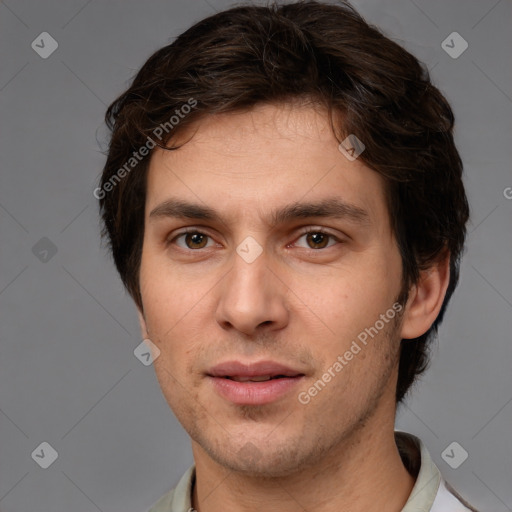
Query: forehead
(259, 160)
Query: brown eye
(192, 240)
(317, 240)
(196, 240)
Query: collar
(414, 455)
(418, 462)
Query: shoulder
(179, 498)
(431, 491)
(447, 500)
(164, 503)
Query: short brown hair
(328, 54)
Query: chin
(263, 468)
(261, 459)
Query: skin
(297, 303)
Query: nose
(252, 298)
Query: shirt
(431, 493)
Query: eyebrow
(326, 208)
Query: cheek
(175, 310)
(345, 299)
(180, 395)
(169, 295)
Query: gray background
(68, 374)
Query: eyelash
(303, 233)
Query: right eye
(192, 240)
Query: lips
(257, 378)
(256, 383)
(259, 371)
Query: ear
(426, 298)
(143, 327)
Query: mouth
(256, 378)
(257, 383)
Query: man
(284, 203)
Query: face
(268, 254)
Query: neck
(364, 473)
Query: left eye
(318, 239)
